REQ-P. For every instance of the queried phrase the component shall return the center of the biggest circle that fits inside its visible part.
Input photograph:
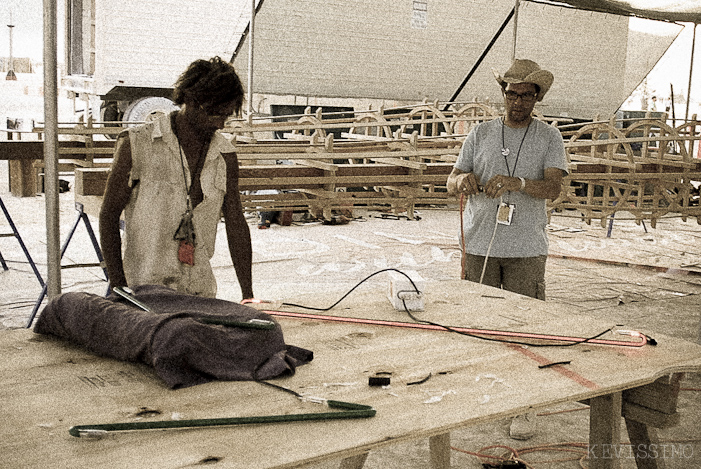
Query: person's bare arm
(547, 188)
(237, 232)
(115, 199)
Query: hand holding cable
(463, 183)
(500, 184)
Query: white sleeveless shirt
(156, 206)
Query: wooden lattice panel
(399, 158)
(646, 168)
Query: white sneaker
(523, 426)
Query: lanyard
(186, 230)
(195, 175)
(198, 165)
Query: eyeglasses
(525, 97)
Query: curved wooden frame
(646, 168)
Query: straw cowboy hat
(526, 71)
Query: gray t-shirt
(531, 151)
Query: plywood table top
(47, 386)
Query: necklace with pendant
(506, 152)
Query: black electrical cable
(447, 328)
(505, 341)
(272, 385)
(352, 289)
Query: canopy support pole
(691, 72)
(53, 233)
(251, 35)
(516, 7)
(481, 58)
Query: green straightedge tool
(347, 410)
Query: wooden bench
(26, 161)
(323, 178)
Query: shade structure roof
(664, 10)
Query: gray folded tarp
(183, 350)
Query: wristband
(523, 184)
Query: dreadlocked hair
(209, 81)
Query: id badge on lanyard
(505, 213)
(186, 235)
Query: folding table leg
(439, 447)
(82, 216)
(605, 431)
(644, 437)
(15, 233)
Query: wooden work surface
(47, 386)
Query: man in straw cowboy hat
(507, 168)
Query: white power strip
(402, 294)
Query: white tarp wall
(398, 50)
(410, 50)
(152, 42)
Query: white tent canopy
(664, 10)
